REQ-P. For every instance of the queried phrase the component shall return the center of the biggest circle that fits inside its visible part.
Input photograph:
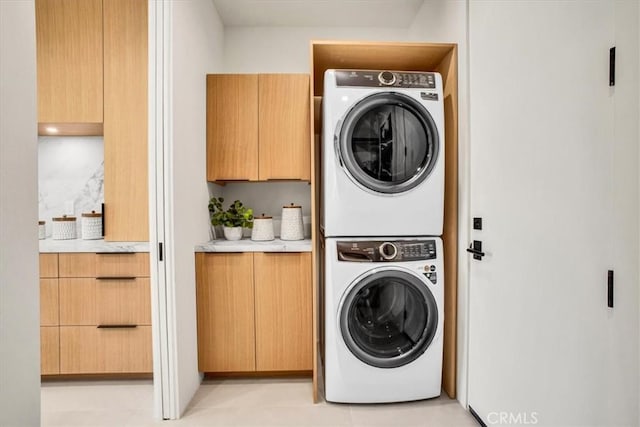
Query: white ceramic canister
(64, 228)
(91, 226)
(42, 231)
(291, 227)
(262, 228)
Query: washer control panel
(386, 251)
(372, 78)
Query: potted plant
(232, 219)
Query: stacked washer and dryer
(381, 216)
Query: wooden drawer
(49, 350)
(49, 265)
(94, 302)
(104, 265)
(92, 350)
(49, 302)
(122, 264)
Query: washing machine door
(388, 143)
(388, 318)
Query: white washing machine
(383, 153)
(384, 316)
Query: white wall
(19, 288)
(286, 49)
(197, 37)
(445, 21)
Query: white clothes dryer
(383, 153)
(384, 316)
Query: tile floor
(234, 402)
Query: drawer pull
(117, 326)
(116, 278)
(115, 253)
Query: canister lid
(64, 218)
(40, 222)
(292, 206)
(262, 216)
(92, 214)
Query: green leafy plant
(237, 215)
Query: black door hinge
(612, 66)
(160, 255)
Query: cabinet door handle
(115, 278)
(116, 253)
(117, 326)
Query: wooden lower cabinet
(225, 306)
(95, 314)
(254, 312)
(283, 311)
(49, 350)
(89, 350)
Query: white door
(542, 173)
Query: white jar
(262, 228)
(42, 231)
(291, 227)
(64, 228)
(91, 226)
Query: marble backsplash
(70, 176)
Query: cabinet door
(49, 302)
(285, 149)
(283, 311)
(69, 59)
(225, 311)
(125, 121)
(232, 127)
(49, 350)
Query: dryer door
(388, 318)
(388, 143)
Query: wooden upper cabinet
(284, 127)
(125, 121)
(232, 127)
(69, 61)
(283, 311)
(258, 127)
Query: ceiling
(318, 13)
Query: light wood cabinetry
(49, 315)
(225, 306)
(284, 127)
(49, 350)
(125, 121)
(103, 309)
(92, 80)
(254, 312)
(283, 311)
(258, 127)
(232, 127)
(69, 61)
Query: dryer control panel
(372, 78)
(386, 251)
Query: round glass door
(389, 318)
(388, 143)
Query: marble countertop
(79, 245)
(248, 245)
